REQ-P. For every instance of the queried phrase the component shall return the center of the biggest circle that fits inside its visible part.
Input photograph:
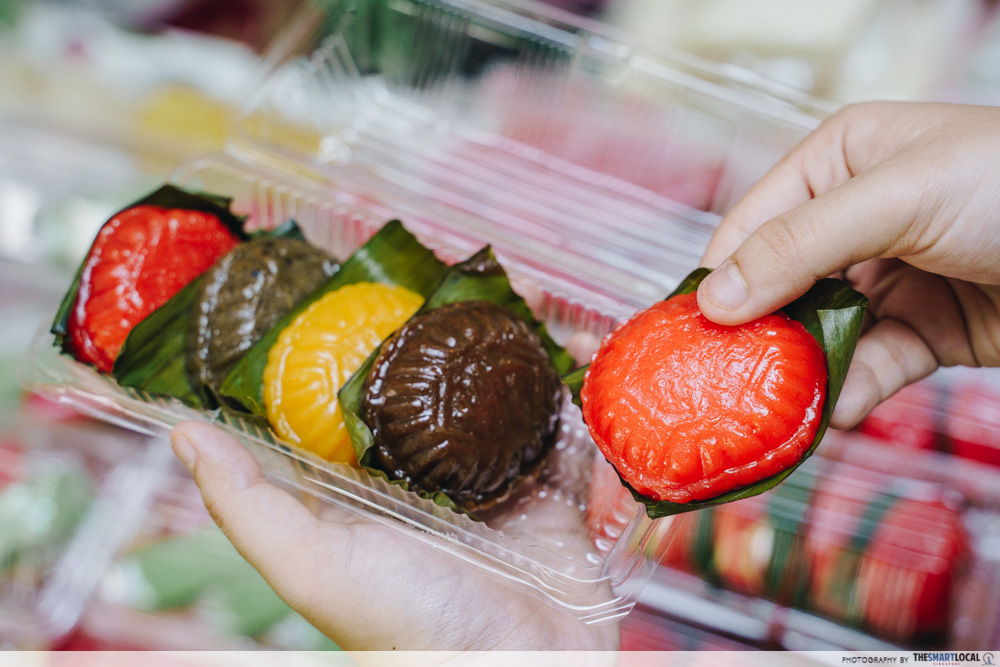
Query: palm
(437, 601)
(366, 584)
(924, 321)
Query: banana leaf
(833, 313)
(154, 355)
(167, 196)
(479, 278)
(393, 256)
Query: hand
(364, 584)
(904, 199)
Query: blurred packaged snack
(180, 584)
(955, 411)
(909, 419)
(63, 513)
(902, 558)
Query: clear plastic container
(486, 122)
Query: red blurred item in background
(837, 528)
(11, 455)
(972, 423)
(253, 22)
(905, 579)
(44, 410)
(743, 544)
(880, 553)
(907, 419)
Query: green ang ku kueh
(217, 316)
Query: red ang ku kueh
(686, 409)
(141, 258)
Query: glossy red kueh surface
(140, 259)
(686, 409)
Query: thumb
(866, 217)
(275, 532)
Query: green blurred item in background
(204, 569)
(9, 11)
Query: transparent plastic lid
(517, 122)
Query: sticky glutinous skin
(140, 259)
(686, 409)
(245, 294)
(464, 400)
(318, 352)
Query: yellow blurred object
(184, 118)
(316, 354)
(185, 122)
(300, 139)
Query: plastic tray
(451, 116)
(513, 543)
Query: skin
(899, 200)
(362, 583)
(895, 198)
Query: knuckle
(783, 244)
(861, 110)
(986, 349)
(848, 115)
(871, 387)
(223, 508)
(898, 359)
(218, 510)
(868, 390)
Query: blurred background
(890, 538)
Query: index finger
(814, 166)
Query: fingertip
(197, 431)
(724, 298)
(849, 411)
(710, 310)
(208, 451)
(713, 257)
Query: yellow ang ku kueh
(318, 352)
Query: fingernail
(726, 288)
(185, 451)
